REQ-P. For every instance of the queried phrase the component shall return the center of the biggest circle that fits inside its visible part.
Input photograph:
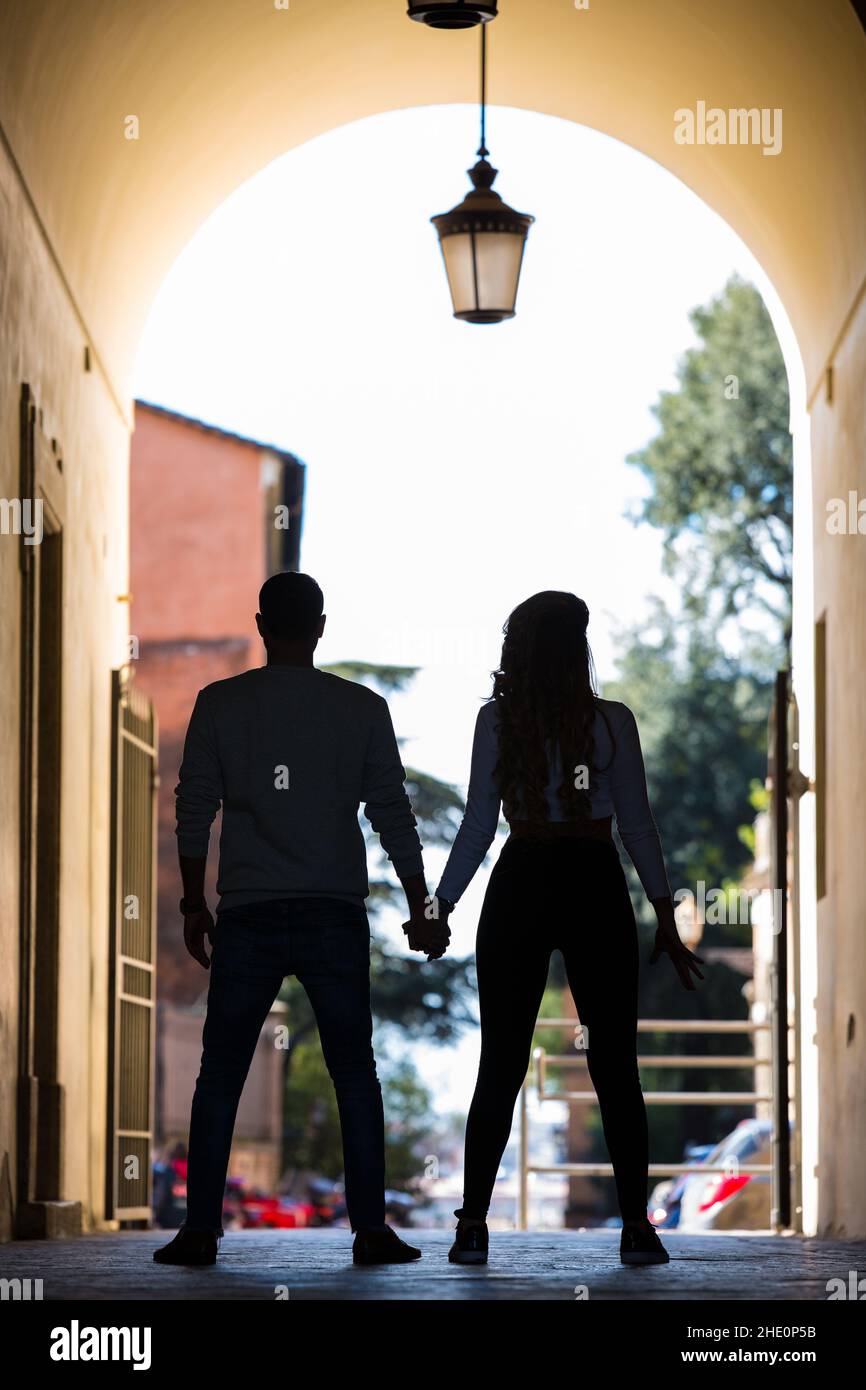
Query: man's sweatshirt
(291, 752)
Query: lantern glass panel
(483, 270)
(457, 254)
(498, 256)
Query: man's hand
(197, 926)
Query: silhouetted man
(291, 752)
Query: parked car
(253, 1210)
(249, 1208)
(731, 1200)
(399, 1207)
(328, 1200)
(663, 1207)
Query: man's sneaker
(639, 1245)
(381, 1246)
(470, 1243)
(189, 1248)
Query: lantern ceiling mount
(456, 15)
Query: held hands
(197, 926)
(427, 929)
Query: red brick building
(212, 514)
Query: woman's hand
(667, 943)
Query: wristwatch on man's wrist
(190, 909)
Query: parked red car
(247, 1208)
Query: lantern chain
(482, 148)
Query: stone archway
(123, 128)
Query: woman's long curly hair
(546, 698)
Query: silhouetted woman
(562, 762)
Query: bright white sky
(452, 469)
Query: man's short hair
(291, 605)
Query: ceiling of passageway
(222, 87)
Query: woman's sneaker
(639, 1245)
(470, 1243)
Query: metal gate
(132, 959)
(779, 776)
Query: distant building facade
(213, 514)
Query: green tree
(721, 466)
(703, 725)
(312, 1121)
(720, 470)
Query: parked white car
(731, 1200)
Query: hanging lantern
(482, 242)
(483, 239)
(457, 15)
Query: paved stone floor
(523, 1266)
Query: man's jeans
(325, 942)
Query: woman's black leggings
(567, 894)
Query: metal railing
(542, 1060)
